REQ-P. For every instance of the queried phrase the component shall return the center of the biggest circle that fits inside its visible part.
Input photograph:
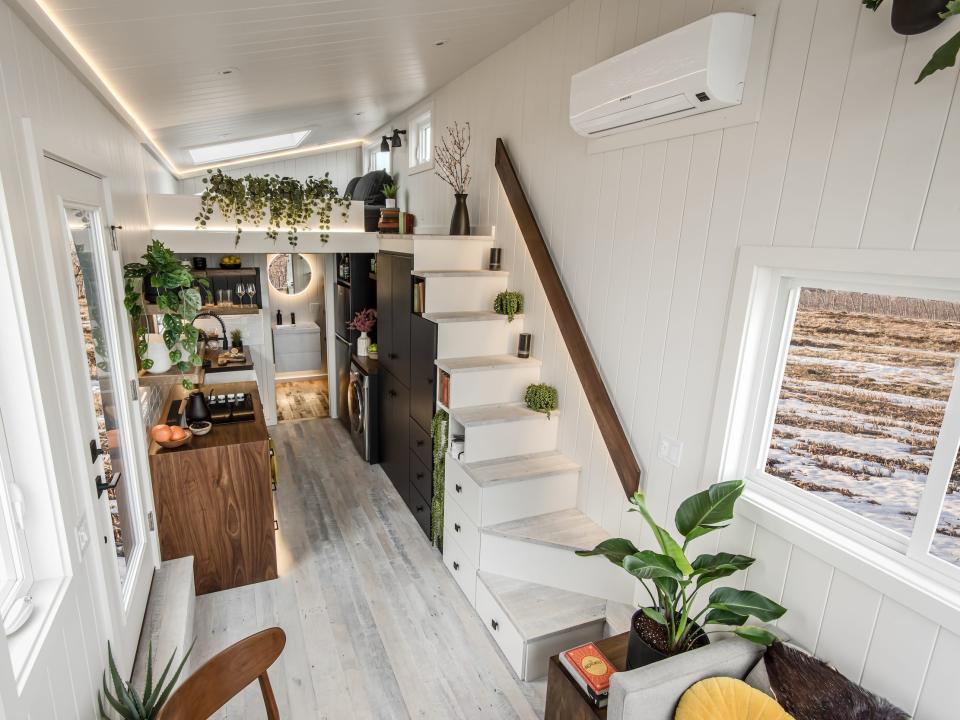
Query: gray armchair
(652, 692)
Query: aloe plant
(676, 581)
(131, 705)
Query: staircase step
(480, 363)
(459, 273)
(532, 622)
(566, 529)
(442, 318)
(502, 430)
(479, 415)
(487, 379)
(520, 467)
(462, 333)
(454, 291)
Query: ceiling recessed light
(440, 43)
(246, 148)
(358, 114)
(228, 71)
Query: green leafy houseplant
(177, 299)
(390, 191)
(128, 703)
(673, 582)
(281, 202)
(946, 55)
(236, 338)
(542, 398)
(509, 303)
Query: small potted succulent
(236, 339)
(372, 351)
(363, 323)
(130, 704)
(509, 303)
(672, 623)
(390, 193)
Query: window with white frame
(857, 417)
(420, 135)
(15, 571)
(377, 160)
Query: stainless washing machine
(362, 411)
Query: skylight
(246, 148)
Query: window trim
(370, 159)
(413, 138)
(931, 586)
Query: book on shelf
(590, 669)
(444, 388)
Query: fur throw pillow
(809, 689)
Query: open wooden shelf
(218, 309)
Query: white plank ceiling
(338, 67)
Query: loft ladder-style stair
(511, 524)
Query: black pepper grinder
(279, 318)
(293, 318)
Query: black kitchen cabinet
(423, 372)
(394, 308)
(394, 433)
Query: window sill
(883, 569)
(25, 643)
(417, 169)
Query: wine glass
(241, 291)
(252, 292)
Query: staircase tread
(520, 467)
(538, 611)
(474, 415)
(567, 529)
(485, 362)
(467, 316)
(459, 273)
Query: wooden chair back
(225, 675)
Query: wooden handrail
(615, 437)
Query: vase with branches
(451, 166)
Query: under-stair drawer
(499, 626)
(461, 487)
(457, 526)
(459, 565)
(421, 443)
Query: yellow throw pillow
(723, 698)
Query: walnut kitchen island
(213, 499)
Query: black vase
(912, 17)
(460, 222)
(639, 653)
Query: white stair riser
(472, 339)
(512, 500)
(452, 254)
(554, 566)
(459, 565)
(505, 439)
(462, 294)
(458, 526)
(487, 387)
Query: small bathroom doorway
(299, 335)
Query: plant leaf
(114, 703)
(173, 681)
(746, 602)
(654, 615)
(872, 4)
(667, 544)
(953, 8)
(710, 563)
(757, 635)
(614, 550)
(724, 617)
(647, 565)
(708, 508)
(944, 57)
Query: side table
(565, 699)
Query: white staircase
(510, 520)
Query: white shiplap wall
(343, 165)
(68, 120)
(848, 153)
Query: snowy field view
(866, 384)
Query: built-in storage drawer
(458, 526)
(461, 487)
(420, 477)
(421, 443)
(420, 508)
(499, 626)
(463, 571)
(423, 372)
(394, 428)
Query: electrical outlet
(670, 450)
(83, 535)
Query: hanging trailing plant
(946, 55)
(509, 303)
(177, 299)
(278, 202)
(438, 431)
(542, 398)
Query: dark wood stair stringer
(615, 437)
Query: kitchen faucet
(219, 320)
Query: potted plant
(145, 705)
(911, 17)
(179, 302)
(372, 351)
(541, 398)
(363, 323)
(236, 339)
(390, 193)
(671, 624)
(451, 167)
(509, 303)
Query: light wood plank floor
(376, 627)
(302, 400)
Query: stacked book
(590, 670)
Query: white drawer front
(499, 626)
(459, 565)
(459, 486)
(457, 526)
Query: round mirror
(290, 273)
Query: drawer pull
(276, 525)
(456, 565)
(494, 624)
(392, 393)
(458, 488)
(456, 527)
(392, 356)
(430, 381)
(419, 509)
(419, 476)
(419, 443)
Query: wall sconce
(384, 145)
(396, 137)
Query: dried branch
(450, 156)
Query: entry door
(102, 366)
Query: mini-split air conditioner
(696, 69)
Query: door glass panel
(84, 227)
(946, 540)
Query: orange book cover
(592, 666)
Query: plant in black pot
(671, 624)
(912, 17)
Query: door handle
(456, 565)
(102, 486)
(458, 488)
(456, 527)
(95, 451)
(494, 624)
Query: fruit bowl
(171, 444)
(229, 262)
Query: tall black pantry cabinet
(407, 349)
